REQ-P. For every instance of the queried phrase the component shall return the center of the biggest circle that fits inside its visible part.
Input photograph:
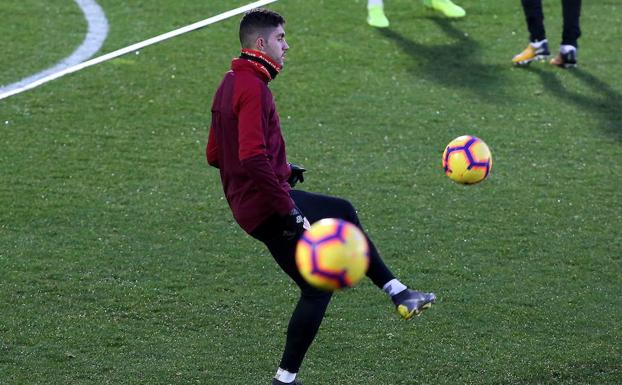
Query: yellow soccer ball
(333, 254)
(467, 160)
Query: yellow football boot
(532, 53)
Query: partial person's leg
(535, 19)
(571, 10)
(567, 56)
(308, 314)
(408, 302)
(538, 47)
(312, 304)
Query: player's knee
(316, 295)
(349, 212)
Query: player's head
(263, 30)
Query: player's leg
(567, 56)
(317, 206)
(571, 10)
(535, 19)
(538, 47)
(310, 309)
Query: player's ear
(260, 43)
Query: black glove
(296, 175)
(294, 224)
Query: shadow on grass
(597, 372)
(455, 64)
(607, 106)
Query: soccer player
(246, 144)
(377, 18)
(538, 48)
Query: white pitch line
(95, 37)
(137, 46)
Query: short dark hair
(256, 21)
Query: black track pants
(309, 312)
(571, 10)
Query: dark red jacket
(246, 144)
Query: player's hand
(296, 175)
(294, 224)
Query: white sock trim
(393, 287)
(373, 3)
(538, 44)
(565, 48)
(285, 376)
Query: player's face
(275, 45)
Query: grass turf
(120, 262)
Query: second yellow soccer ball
(467, 160)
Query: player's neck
(273, 68)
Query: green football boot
(376, 17)
(446, 7)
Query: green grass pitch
(120, 262)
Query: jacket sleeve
(252, 151)
(259, 170)
(211, 151)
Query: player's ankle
(393, 287)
